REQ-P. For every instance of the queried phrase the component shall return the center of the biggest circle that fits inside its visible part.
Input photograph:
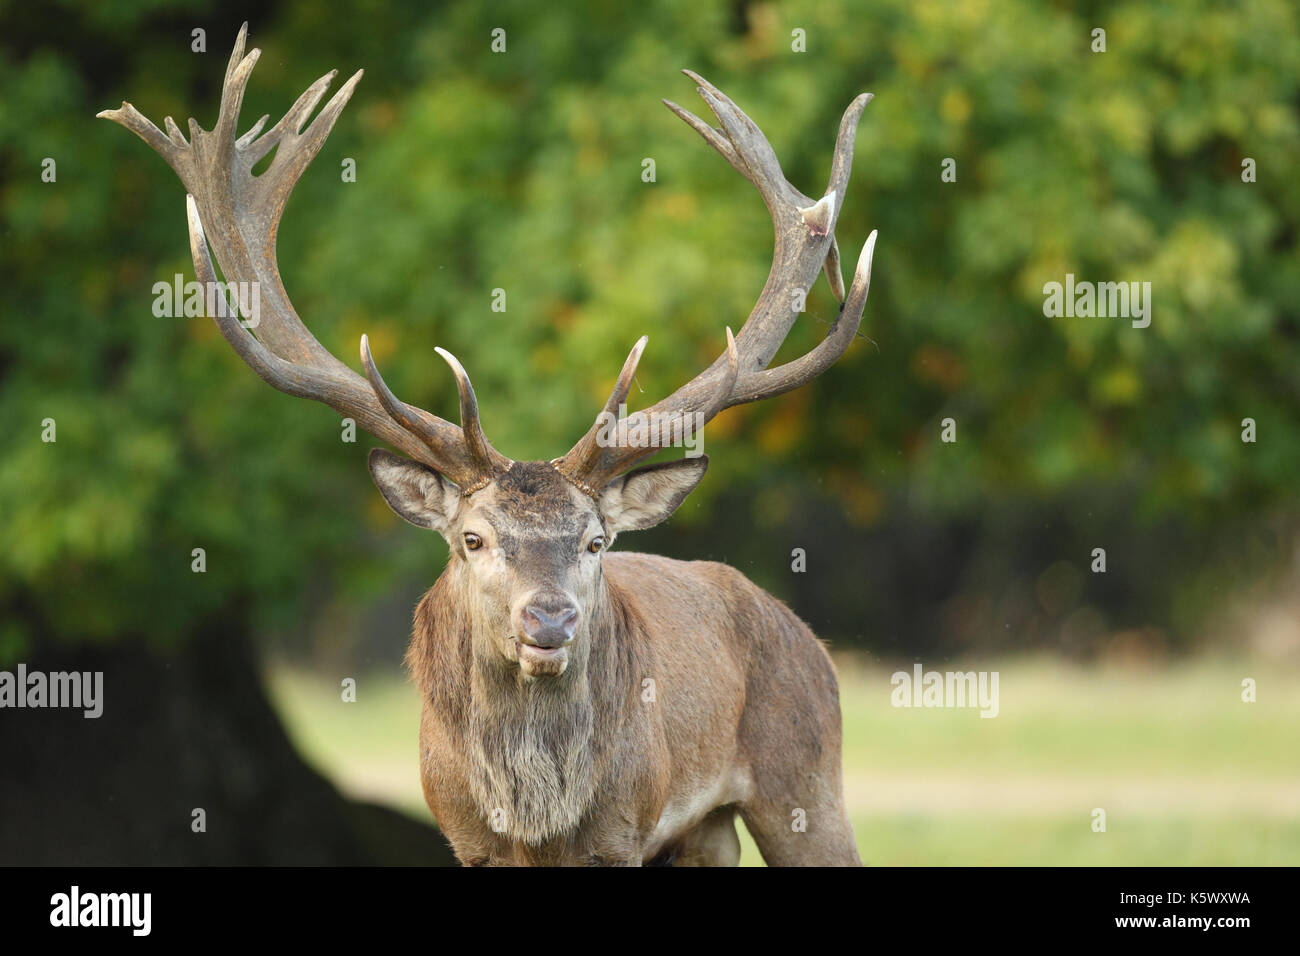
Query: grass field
(1187, 773)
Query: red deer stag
(580, 706)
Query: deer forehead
(532, 502)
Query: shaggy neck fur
(535, 748)
(529, 743)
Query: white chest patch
(685, 811)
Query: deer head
(527, 535)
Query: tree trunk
(180, 731)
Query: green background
(522, 171)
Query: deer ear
(414, 491)
(643, 498)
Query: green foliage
(522, 171)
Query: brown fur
(589, 767)
(577, 708)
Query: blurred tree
(522, 171)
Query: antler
(805, 244)
(242, 213)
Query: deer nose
(549, 627)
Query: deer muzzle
(546, 630)
(548, 627)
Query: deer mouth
(537, 661)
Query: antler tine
(480, 463)
(238, 70)
(137, 123)
(711, 136)
(586, 453)
(481, 452)
(591, 463)
(236, 54)
(792, 374)
(804, 245)
(239, 214)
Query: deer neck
(533, 764)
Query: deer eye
(473, 542)
(597, 544)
